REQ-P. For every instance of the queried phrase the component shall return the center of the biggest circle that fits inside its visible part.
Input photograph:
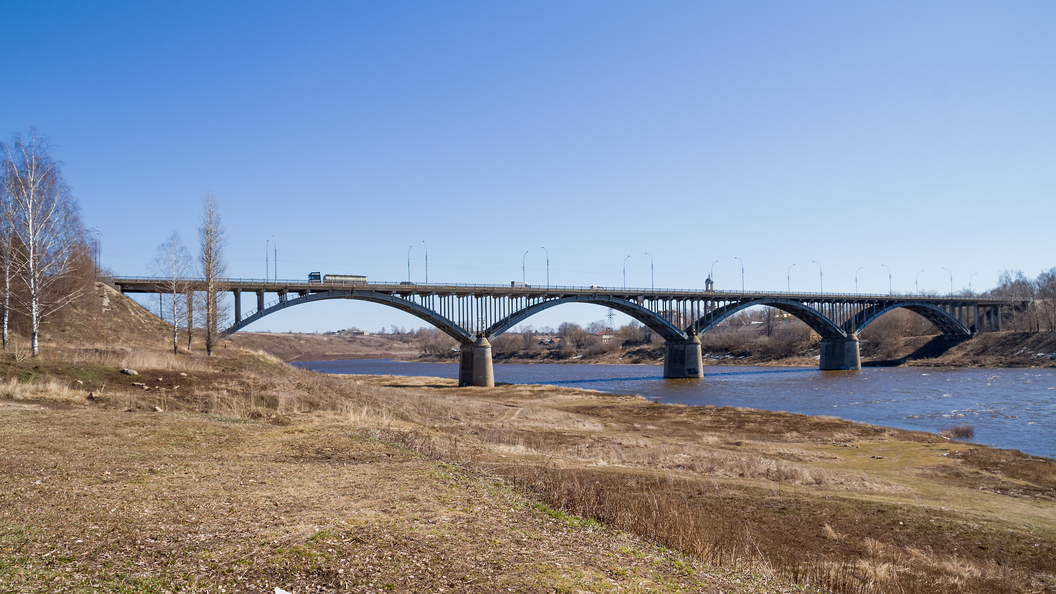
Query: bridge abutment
(475, 367)
(682, 358)
(840, 354)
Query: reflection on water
(1009, 408)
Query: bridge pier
(682, 358)
(475, 367)
(840, 354)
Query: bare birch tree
(212, 240)
(173, 264)
(47, 233)
(7, 231)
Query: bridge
(475, 314)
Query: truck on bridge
(354, 279)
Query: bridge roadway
(475, 314)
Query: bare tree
(212, 240)
(173, 265)
(7, 231)
(47, 234)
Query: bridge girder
(440, 322)
(948, 324)
(650, 319)
(811, 317)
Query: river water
(1009, 408)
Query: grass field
(240, 473)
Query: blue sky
(921, 136)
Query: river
(1009, 408)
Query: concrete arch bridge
(475, 314)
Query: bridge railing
(287, 284)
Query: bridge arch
(440, 322)
(657, 324)
(811, 317)
(946, 323)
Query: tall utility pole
(821, 277)
(652, 281)
(547, 268)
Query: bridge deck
(156, 285)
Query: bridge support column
(475, 367)
(238, 304)
(682, 358)
(840, 354)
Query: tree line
(1039, 294)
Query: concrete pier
(682, 358)
(475, 368)
(840, 354)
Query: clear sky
(917, 135)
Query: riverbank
(993, 349)
(366, 483)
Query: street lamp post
(426, 261)
(821, 277)
(889, 292)
(970, 282)
(547, 268)
(916, 283)
(951, 279)
(856, 279)
(742, 272)
(711, 274)
(267, 264)
(409, 262)
(275, 260)
(625, 272)
(652, 280)
(788, 277)
(522, 264)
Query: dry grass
(95, 500)
(816, 501)
(961, 431)
(50, 390)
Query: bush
(960, 431)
